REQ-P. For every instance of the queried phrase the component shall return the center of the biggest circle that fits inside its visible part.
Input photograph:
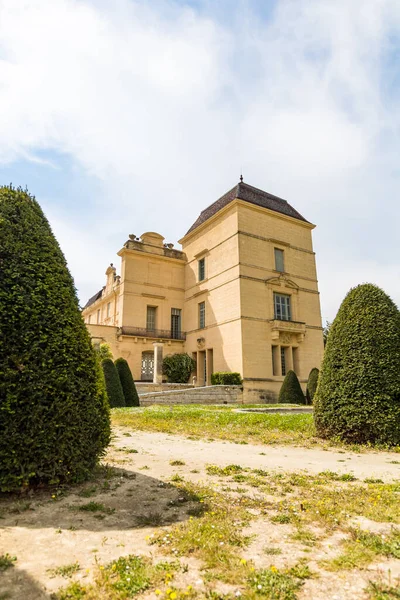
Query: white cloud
(164, 105)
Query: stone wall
(149, 388)
(212, 394)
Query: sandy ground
(161, 448)
(45, 533)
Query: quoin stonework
(241, 296)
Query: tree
(312, 383)
(103, 351)
(54, 415)
(177, 367)
(128, 385)
(114, 389)
(325, 331)
(291, 392)
(358, 395)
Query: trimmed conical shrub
(127, 383)
(358, 393)
(113, 385)
(312, 383)
(291, 392)
(54, 416)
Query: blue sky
(127, 116)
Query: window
(98, 316)
(282, 307)
(202, 315)
(108, 309)
(89, 319)
(175, 323)
(151, 318)
(279, 264)
(275, 363)
(202, 269)
(283, 360)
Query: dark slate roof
(93, 299)
(246, 192)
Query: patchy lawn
(172, 518)
(228, 423)
(221, 422)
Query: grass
(125, 578)
(94, 507)
(221, 423)
(65, 570)
(327, 499)
(215, 537)
(276, 584)
(384, 591)
(6, 561)
(363, 547)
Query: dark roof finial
(241, 178)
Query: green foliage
(312, 385)
(54, 416)
(178, 367)
(128, 385)
(326, 330)
(358, 394)
(222, 378)
(291, 392)
(103, 351)
(114, 389)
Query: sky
(130, 116)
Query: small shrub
(312, 385)
(128, 385)
(178, 367)
(222, 378)
(113, 385)
(358, 394)
(291, 392)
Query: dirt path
(158, 449)
(46, 532)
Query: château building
(241, 296)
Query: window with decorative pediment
(282, 307)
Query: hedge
(291, 392)
(358, 394)
(54, 416)
(115, 392)
(224, 378)
(128, 385)
(312, 383)
(178, 367)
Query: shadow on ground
(115, 499)
(16, 584)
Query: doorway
(147, 366)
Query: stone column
(158, 360)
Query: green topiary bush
(358, 393)
(128, 385)
(54, 415)
(222, 378)
(178, 367)
(312, 385)
(114, 389)
(291, 392)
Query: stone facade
(242, 295)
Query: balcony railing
(165, 334)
